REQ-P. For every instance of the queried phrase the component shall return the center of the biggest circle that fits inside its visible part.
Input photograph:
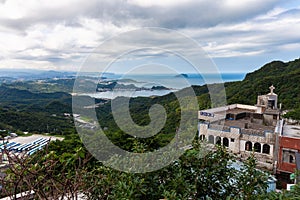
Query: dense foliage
(139, 108)
(21, 100)
(22, 110)
(284, 76)
(198, 174)
(66, 168)
(35, 122)
(294, 114)
(35, 112)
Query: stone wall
(237, 141)
(263, 161)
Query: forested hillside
(43, 112)
(284, 76)
(17, 104)
(22, 110)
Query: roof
(291, 131)
(254, 126)
(237, 111)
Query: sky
(239, 36)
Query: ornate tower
(272, 98)
(268, 101)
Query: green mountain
(37, 112)
(284, 76)
(25, 100)
(18, 104)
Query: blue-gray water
(169, 81)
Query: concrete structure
(288, 153)
(268, 101)
(244, 129)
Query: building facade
(258, 129)
(245, 129)
(288, 153)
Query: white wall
(224, 109)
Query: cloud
(20, 14)
(64, 32)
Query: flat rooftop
(291, 131)
(258, 125)
(236, 111)
(31, 138)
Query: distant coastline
(158, 84)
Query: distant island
(114, 85)
(182, 75)
(159, 88)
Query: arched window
(292, 159)
(211, 139)
(257, 147)
(225, 142)
(266, 149)
(202, 137)
(218, 140)
(248, 146)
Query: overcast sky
(239, 35)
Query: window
(218, 140)
(288, 156)
(225, 142)
(232, 139)
(211, 139)
(257, 147)
(248, 146)
(266, 149)
(202, 137)
(292, 159)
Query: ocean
(172, 82)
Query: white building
(244, 129)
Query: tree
(198, 174)
(3, 134)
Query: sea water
(170, 81)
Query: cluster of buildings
(23, 146)
(258, 130)
(28, 148)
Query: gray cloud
(205, 13)
(289, 13)
(67, 31)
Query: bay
(172, 82)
